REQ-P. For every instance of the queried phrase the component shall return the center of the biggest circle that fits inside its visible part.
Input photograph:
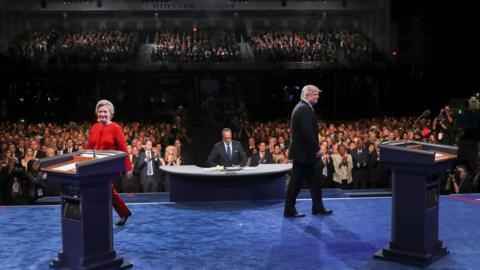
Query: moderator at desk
(192, 183)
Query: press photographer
(459, 180)
(443, 125)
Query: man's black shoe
(295, 214)
(323, 211)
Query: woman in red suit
(107, 135)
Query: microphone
(424, 114)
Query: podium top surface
(416, 152)
(70, 164)
(68, 167)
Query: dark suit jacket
(358, 158)
(256, 159)
(218, 156)
(135, 165)
(141, 165)
(375, 168)
(185, 155)
(304, 139)
(18, 154)
(39, 154)
(65, 150)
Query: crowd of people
(23, 144)
(76, 47)
(307, 45)
(195, 45)
(350, 148)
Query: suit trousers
(300, 173)
(360, 178)
(130, 185)
(149, 183)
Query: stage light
(394, 53)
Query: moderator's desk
(192, 183)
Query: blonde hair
(309, 89)
(171, 154)
(171, 148)
(105, 103)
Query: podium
(416, 167)
(86, 208)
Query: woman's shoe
(123, 220)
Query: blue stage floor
(245, 235)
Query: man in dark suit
(360, 170)
(148, 165)
(262, 156)
(304, 151)
(228, 152)
(21, 148)
(37, 153)
(70, 147)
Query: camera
(452, 171)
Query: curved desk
(192, 183)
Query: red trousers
(118, 204)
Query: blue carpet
(245, 235)
(164, 196)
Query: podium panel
(86, 179)
(416, 167)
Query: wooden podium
(86, 199)
(416, 167)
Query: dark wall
(220, 95)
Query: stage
(244, 234)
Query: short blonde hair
(309, 89)
(105, 103)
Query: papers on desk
(232, 168)
(96, 155)
(217, 168)
(67, 167)
(213, 169)
(221, 168)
